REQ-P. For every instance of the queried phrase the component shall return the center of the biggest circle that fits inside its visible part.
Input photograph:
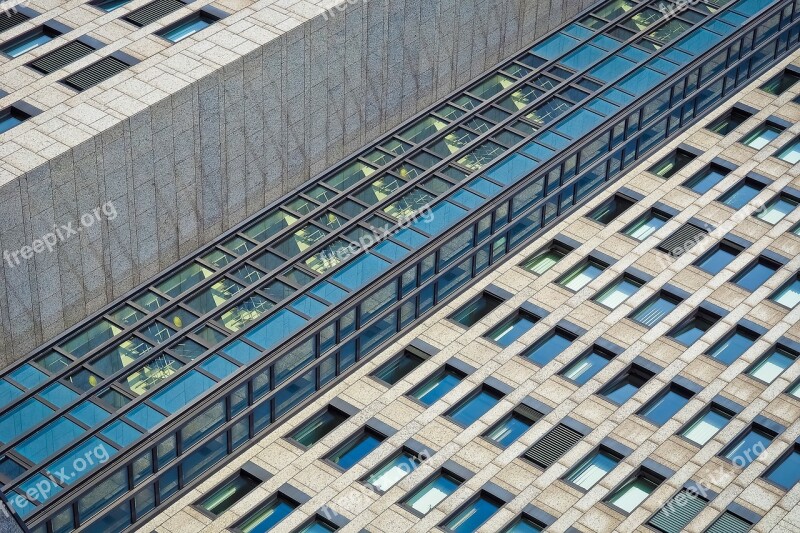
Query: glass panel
(187, 28)
(581, 275)
(182, 391)
(398, 368)
(352, 452)
(547, 349)
(729, 121)
(665, 406)
(691, 331)
(187, 278)
(771, 366)
(704, 181)
(755, 275)
(776, 209)
(437, 386)
(706, 426)
(471, 313)
(18, 48)
(789, 294)
(740, 194)
(672, 164)
(349, 176)
(541, 263)
(592, 469)
(422, 129)
(523, 525)
(266, 518)
(387, 476)
(509, 429)
(91, 338)
(471, 517)
(734, 345)
(780, 83)
(791, 152)
(633, 493)
(718, 258)
(610, 209)
(748, 447)
(618, 292)
(512, 328)
(474, 407)
(221, 499)
(786, 473)
(762, 136)
(656, 309)
(586, 367)
(430, 495)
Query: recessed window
(581, 275)
(268, 515)
(689, 331)
(772, 365)
(704, 181)
(781, 83)
(392, 471)
(741, 193)
(524, 524)
(592, 469)
(318, 525)
(610, 209)
(672, 164)
(544, 261)
(623, 387)
(435, 387)
(29, 41)
(729, 121)
(11, 117)
(474, 514)
(356, 448)
(510, 428)
(187, 27)
(512, 328)
(317, 427)
(789, 294)
(786, 472)
(756, 273)
(762, 135)
(475, 310)
(433, 492)
(665, 405)
(646, 225)
(587, 365)
(776, 209)
(746, 449)
(615, 294)
(708, 424)
(791, 152)
(109, 5)
(475, 406)
(547, 348)
(655, 309)
(717, 258)
(398, 368)
(732, 346)
(223, 498)
(630, 495)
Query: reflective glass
(548, 348)
(776, 209)
(392, 471)
(754, 275)
(266, 518)
(741, 194)
(613, 296)
(706, 426)
(645, 225)
(352, 452)
(471, 517)
(580, 276)
(512, 328)
(474, 407)
(592, 469)
(437, 386)
(221, 499)
(786, 472)
(660, 410)
(632, 494)
(718, 258)
(431, 494)
(586, 367)
(732, 346)
(475, 310)
(509, 429)
(769, 367)
(312, 431)
(762, 136)
(748, 446)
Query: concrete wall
(199, 161)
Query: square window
(475, 406)
(392, 471)
(475, 310)
(772, 365)
(356, 448)
(623, 387)
(398, 368)
(610, 209)
(630, 495)
(615, 294)
(717, 258)
(646, 225)
(544, 261)
(762, 135)
(187, 27)
(317, 427)
(435, 387)
(732, 346)
(703, 428)
(740, 194)
(776, 209)
(780, 83)
(786, 472)
(666, 404)
(230, 492)
(470, 517)
(789, 294)
(549, 347)
(509, 428)
(433, 492)
(581, 275)
(655, 309)
(729, 121)
(512, 328)
(791, 152)
(690, 330)
(592, 469)
(748, 446)
(704, 181)
(672, 164)
(587, 365)
(755, 274)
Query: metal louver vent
(528, 412)
(682, 240)
(153, 11)
(95, 73)
(678, 512)
(9, 20)
(552, 446)
(61, 57)
(729, 523)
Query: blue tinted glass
(699, 40)
(7, 392)
(621, 392)
(362, 270)
(58, 394)
(309, 306)
(145, 416)
(466, 198)
(748, 447)
(509, 429)
(21, 418)
(17, 49)
(49, 439)
(755, 275)
(317, 527)
(183, 390)
(512, 168)
(749, 7)
(242, 352)
(121, 433)
(353, 452)
(393, 251)
(704, 181)
(474, 408)
(579, 32)
(510, 330)
(94, 452)
(89, 413)
(523, 525)
(733, 346)
(186, 29)
(27, 376)
(553, 139)
(37, 483)
(612, 68)
(270, 332)
(473, 515)
(787, 472)
(441, 216)
(267, 518)
(579, 123)
(739, 196)
(585, 368)
(651, 313)
(717, 259)
(692, 330)
(406, 236)
(662, 409)
(583, 57)
(8, 121)
(111, 5)
(218, 366)
(431, 494)
(555, 46)
(546, 350)
(436, 387)
(330, 292)
(641, 81)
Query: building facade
(562, 296)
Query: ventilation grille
(552, 446)
(678, 512)
(527, 412)
(729, 523)
(61, 57)
(682, 240)
(153, 11)
(95, 73)
(8, 20)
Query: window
(11, 117)
(678, 511)
(435, 387)
(109, 5)
(475, 310)
(392, 471)
(475, 513)
(268, 516)
(781, 83)
(729, 121)
(592, 469)
(646, 225)
(544, 261)
(653, 311)
(776, 209)
(630, 495)
(356, 448)
(433, 492)
(717, 258)
(672, 164)
(587, 365)
(223, 498)
(398, 368)
(29, 41)
(756, 273)
(791, 152)
(772, 365)
(511, 427)
(704, 181)
(512, 328)
(318, 525)
(762, 135)
(741, 193)
(729, 523)
(703, 428)
(475, 406)
(733, 345)
(188, 26)
(524, 524)
(610, 209)
(619, 291)
(689, 331)
(548, 347)
(624, 386)
(666, 404)
(745, 449)
(789, 294)
(581, 275)
(317, 427)
(786, 472)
